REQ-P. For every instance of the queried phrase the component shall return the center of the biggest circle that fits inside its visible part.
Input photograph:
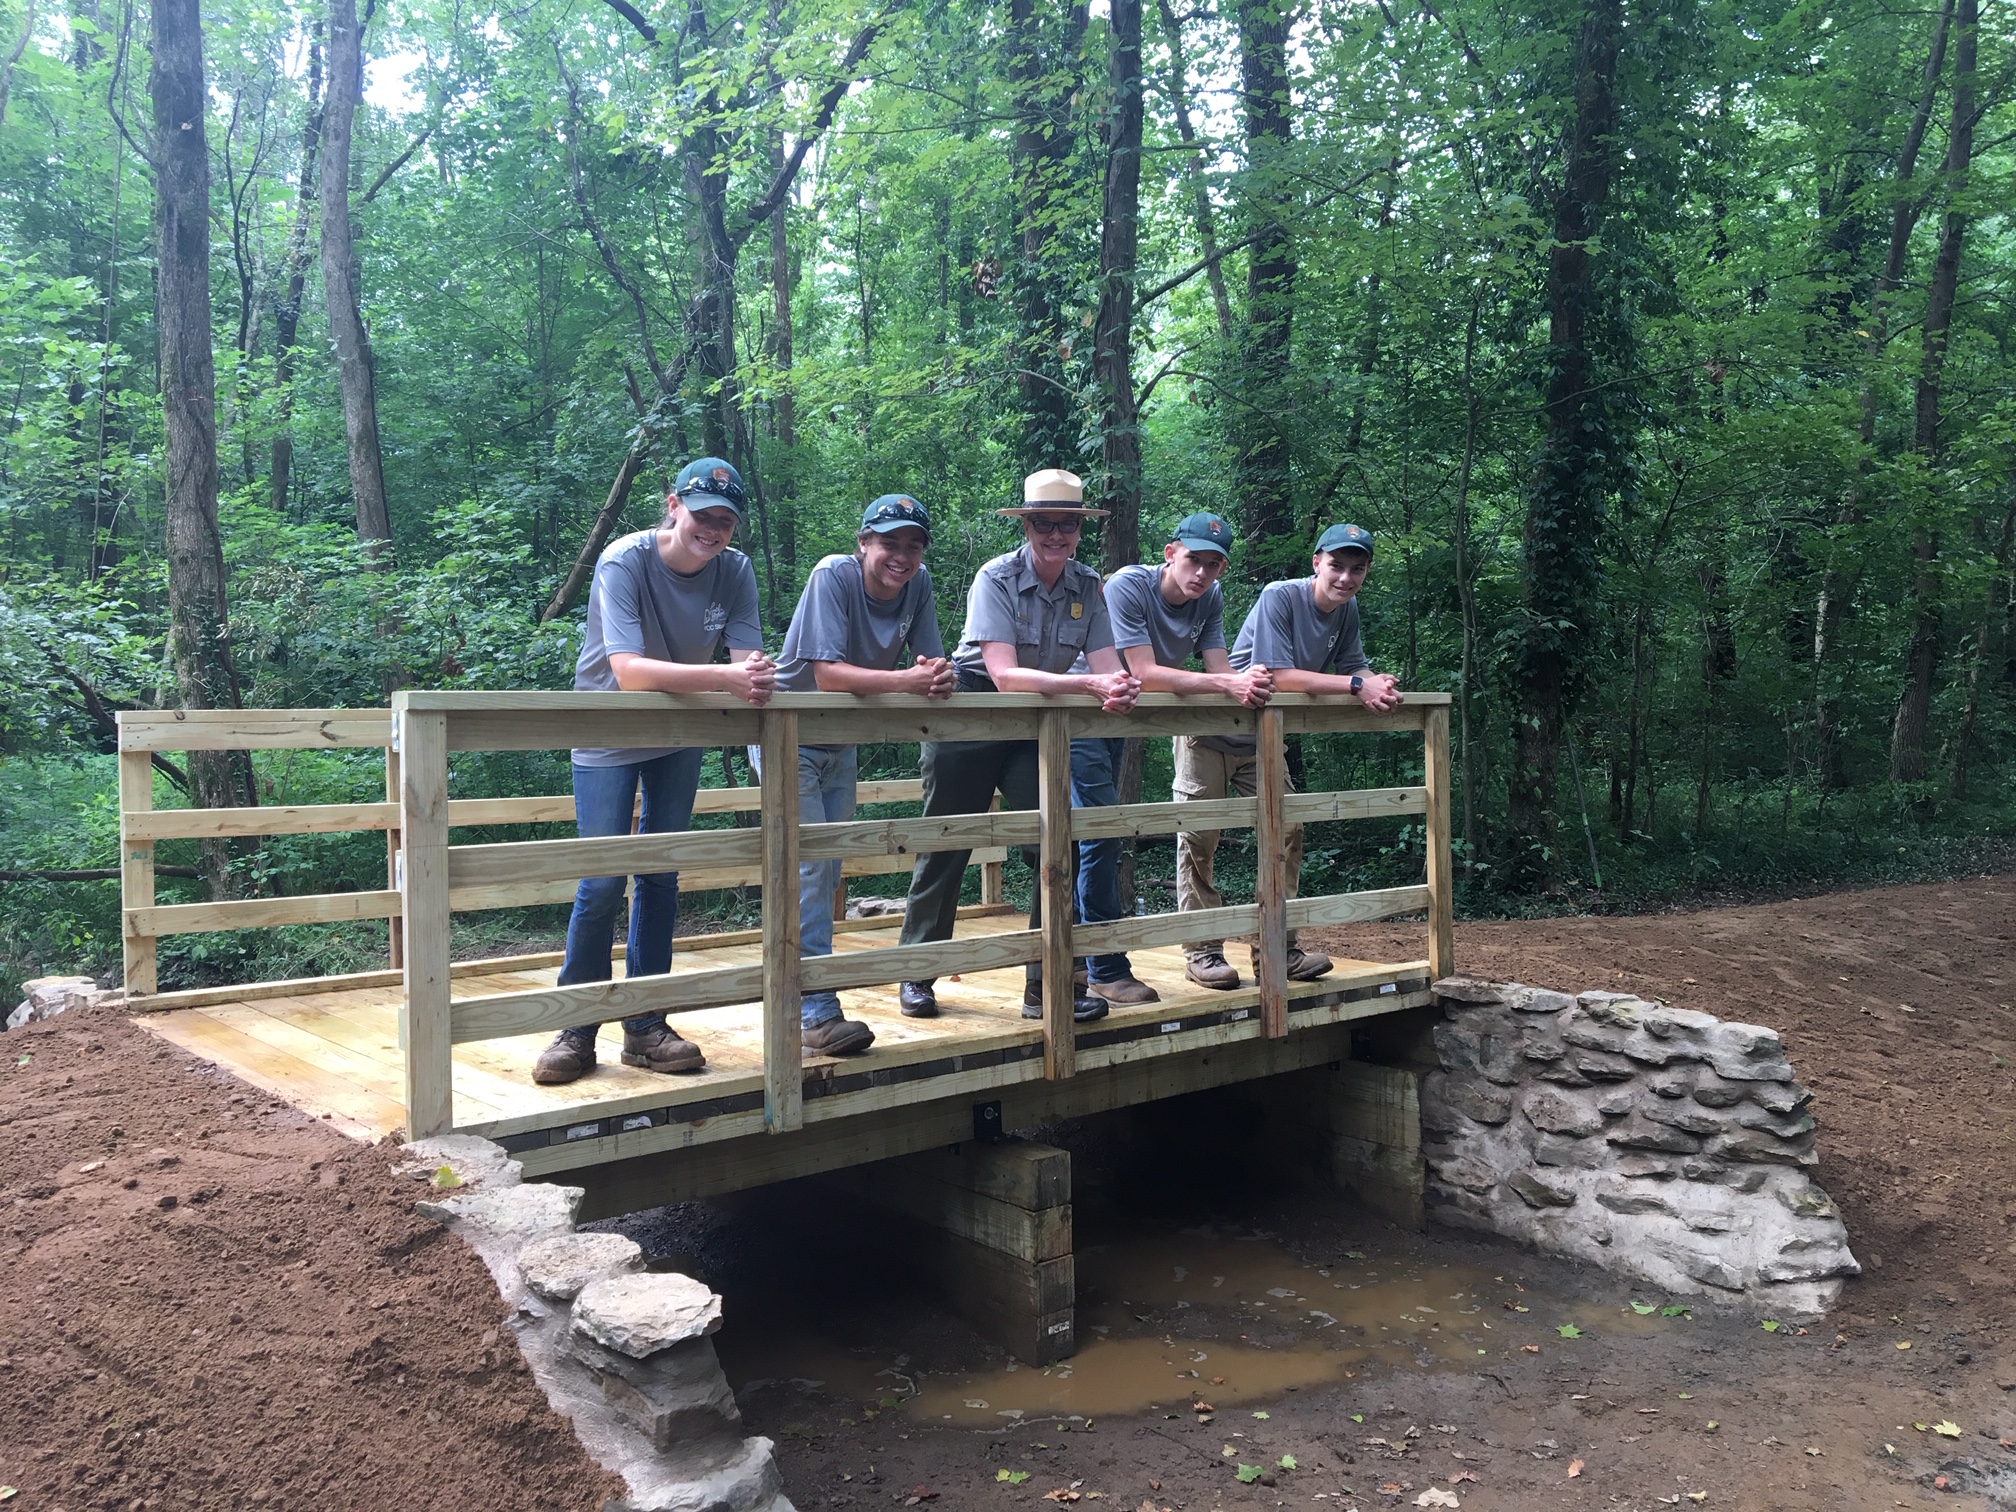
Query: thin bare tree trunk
(1992, 612)
(1263, 464)
(287, 317)
(14, 57)
(1113, 325)
(1466, 588)
(1200, 192)
(199, 639)
(1921, 658)
(339, 281)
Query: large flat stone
(558, 1266)
(638, 1315)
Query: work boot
(1212, 970)
(1128, 992)
(569, 1058)
(659, 1049)
(1083, 1009)
(1306, 965)
(838, 1036)
(919, 1000)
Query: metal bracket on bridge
(987, 1123)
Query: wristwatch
(1357, 683)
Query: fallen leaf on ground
(1247, 1474)
(1202, 1407)
(1947, 1429)
(445, 1179)
(1529, 1349)
(1903, 1343)
(1771, 1325)
(1812, 1451)
(1012, 1477)
(1261, 1415)
(1461, 1476)
(1644, 1309)
(1697, 1496)
(1434, 1496)
(1575, 1468)
(1569, 1331)
(1061, 1494)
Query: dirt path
(207, 1300)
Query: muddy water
(1168, 1318)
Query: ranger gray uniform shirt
(1284, 629)
(1050, 628)
(1143, 617)
(837, 620)
(640, 606)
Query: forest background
(1665, 345)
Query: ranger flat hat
(1053, 491)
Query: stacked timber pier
(437, 1046)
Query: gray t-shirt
(837, 620)
(640, 606)
(1143, 617)
(1284, 629)
(1050, 628)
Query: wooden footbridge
(438, 1045)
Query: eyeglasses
(1068, 525)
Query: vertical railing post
(1053, 765)
(1270, 888)
(396, 936)
(136, 871)
(1441, 896)
(783, 1029)
(421, 740)
(993, 879)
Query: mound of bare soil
(208, 1300)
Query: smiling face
(890, 558)
(1339, 575)
(1053, 540)
(1189, 572)
(698, 535)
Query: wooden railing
(436, 877)
(142, 827)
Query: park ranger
(1304, 634)
(857, 619)
(663, 603)
(1030, 615)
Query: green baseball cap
(893, 512)
(1204, 532)
(1345, 538)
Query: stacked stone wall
(1656, 1142)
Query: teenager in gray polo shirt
(1305, 635)
(663, 603)
(858, 617)
(1029, 616)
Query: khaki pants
(1202, 772)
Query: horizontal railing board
(254, 729)
(552, 1008)
(1356, 907)
(261, 913)
(1131, 819)
(527, 861)
(1150, 930)
(1363, 803)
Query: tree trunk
(1113, 328)
(1262, 466)
(1566, 506)
(340, 277)
(1466, 591)
(784, 410)
(199, 642)
(1043, 83)
(1992, 613)
(1200, 192)
(1837, 582)
(287, 317)
(1921, 657)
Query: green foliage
(1716, 567)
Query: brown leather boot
(1128, 992)
(1306, 965)
(568, 1058)
(840, 1036)
(1212, 970)
(659, 1049)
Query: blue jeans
(603, 799)
(826, 777)
(1095, 765)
